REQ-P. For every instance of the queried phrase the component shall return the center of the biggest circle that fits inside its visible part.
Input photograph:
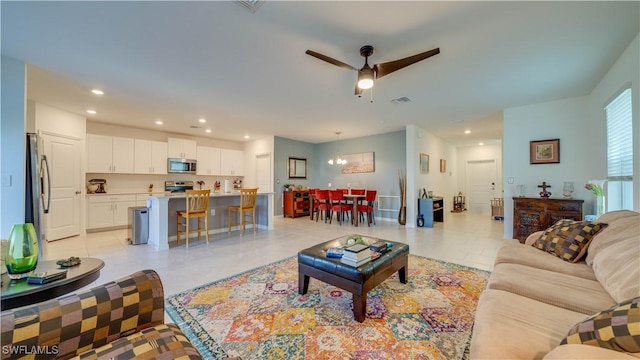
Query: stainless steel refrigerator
(37, 187)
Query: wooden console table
(535, 214)
(296, 203)
(16, 293)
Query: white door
(63, 155)
(263, 172)
(481, 185)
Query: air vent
(401, 100)
(194, 127)
(252, 5)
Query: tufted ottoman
(313, 262)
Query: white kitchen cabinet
(231, 162)
(108, 154)
(141, 199)
(182, 148)
(150, 157)
(109, 210)
(208, 161)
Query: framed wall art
(544, 151)
(443, 165)
(424, 163)
(359, 163)
(297, 168)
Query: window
(619, 153)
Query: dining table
(355, 201)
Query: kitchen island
(163, 208)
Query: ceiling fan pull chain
(372, 95)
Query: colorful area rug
(260, 315)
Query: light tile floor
(464, 238)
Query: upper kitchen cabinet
(107, 154)
(183, 149)
(208, 161)
(150, 157)
(231, 162)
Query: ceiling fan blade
(391, 66)
(330, 60)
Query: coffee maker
(97, 186)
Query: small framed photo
(443, 165)
(544, 151)
(424, 163)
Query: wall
(284, 148)
(389, 156)
(12, 144)
(580, 125)
(251, 150)
(566, 120)
(625, 71)
(419, 141)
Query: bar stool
(246, 208)
(197, 207)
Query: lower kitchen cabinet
(109, 210)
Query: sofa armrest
(533, 237)
(76, 323)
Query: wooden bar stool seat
(246, 208)
(197, 207)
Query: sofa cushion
(510, 326)
(617, 328)
(614, 255)
(561, 290)
(161, 341)
(568, 239)
(530, 256)
(576, 351)
(623, 224)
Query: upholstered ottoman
(313, 262)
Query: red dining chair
(321, 204)
(368, 207)
(358, 191)
(338, 204)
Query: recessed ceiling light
(159, 122)
(97, 92)
(467, 131)
(481, 144)
(92, 112)
(208, 131)
(202, 120)
(246, 136)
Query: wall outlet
(213, 212)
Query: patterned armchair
(120, 319)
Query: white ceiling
(247, 73)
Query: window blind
(619, 138)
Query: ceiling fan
(367, 75)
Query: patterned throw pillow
(568, 239)
(617, 328)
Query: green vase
(22, 256)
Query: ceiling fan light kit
(367, 75)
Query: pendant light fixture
(337, 160)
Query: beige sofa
(533, 298)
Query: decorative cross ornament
(544, 193)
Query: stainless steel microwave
(184, 166)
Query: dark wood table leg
(402, 274)
(303, 283)
(354, 213)
(359, 307)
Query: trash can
(138, 226)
